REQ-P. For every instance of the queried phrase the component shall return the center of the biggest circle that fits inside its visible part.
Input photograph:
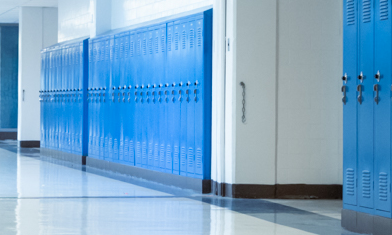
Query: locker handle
(187, 98)
(377, 76)
(376, 89)
(195, 95)
(360, 77)
(359, 89)
(344, 99)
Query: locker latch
(376, 88)
(344, 78)
(377, 76)
(360, 77)
(359, 89)
(180, 93)
(344, 99)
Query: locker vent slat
(366, 184)
(190, 157)
(199, 158)
(150, 46)
(199, 36)
(144, 46)
(191, 38)
(138, 45)
(131, 151)
(176, 39)
(163, 43)
(169, 42)
(366, 11)
(176, 154)
(384, 11)
(121, 50)
(168, 154)
(156, 44)
(383, 186)
(116, 52)
(156, 153)
(183, 39)
(150, 153)
(126, 49)
(350, 183)
(131, 49)
(350, 8)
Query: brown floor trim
(8, 135)
(279, 191)
(29, 144)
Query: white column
(218, 92)
(102, 16)
(37, 29)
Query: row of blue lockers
(367, 79)
(147, 96)
(64, 120)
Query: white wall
(37, 29)
(289, 54)
(75, 19)
(130, 12)
(309, 98)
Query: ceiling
(9, 9)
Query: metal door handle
(180, 98)
(376, 89)
(344, 99)
(359, 89)
(195, 95)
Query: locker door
(42, 78)
(126, 98)
(153, 50)
(203, 95)
(146, 51)
(365, 104)
(138, 112)
(101, 91)
(190, 52)
(107, 99)
(174, 75)
(111, 118)
(84, 104)
(121, 99)
(162, 110)
(182, 67)
(71, 104)
(382, 107)
(132, 83)
(90, 82)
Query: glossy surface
(150, 96)
(44, 196)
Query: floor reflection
(45, 196)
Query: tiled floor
(44, 196)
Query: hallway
(44, 196)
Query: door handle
(344, 90)
(376, 89)
(359, 89)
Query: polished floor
(44, 196)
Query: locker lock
(377, 76)
(196, 83)
(137, 86)
(142, 86)
(167, 85)
(124, 87)
(104, 88)
(188, 83)
(114, 88)
(160, 85)
(148, 86)
(154, 86)
(99, 88)
(174, 84)
(119, 87)
(129, 87)
(181, 84)
(360, 77)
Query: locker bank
(195, 117)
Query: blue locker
(121, 97)
(149, 105)
(183, 96)
(202, 93)
(146, 50)
(350, 71)
(382, 107)
(90, 84)
(365, 105)
(101, 98)
(126, 99)
(106, 100)
(174, 119)
(112, 100)
(138, 110)
(132, 108)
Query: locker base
(359, 222)
(8, 134)
(64, 156)
(198, 185)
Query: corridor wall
(64, 76)
(149, 96)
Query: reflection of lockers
(367, 106)
(63, 108)
(149, 96)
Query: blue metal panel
(366, 103)
(121, 97)
(202, 94)
(131, 110)
(106, 101)
(143, 122)
(90, 84)
(382, 107)
(140, 44)
(126, 99)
